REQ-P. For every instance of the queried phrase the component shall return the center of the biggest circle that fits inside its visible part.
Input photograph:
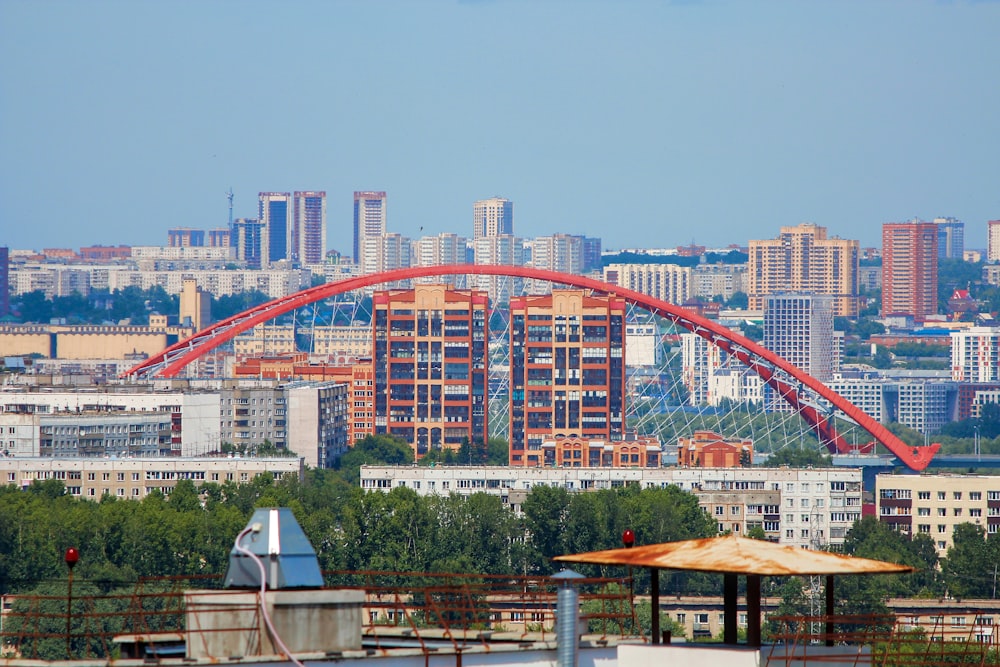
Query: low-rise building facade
(818, 506)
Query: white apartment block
(501, 250)
(135, 478)
(933, 505)
(62, 280)
(700, 360)
(710, 280)
(975, 355)
(642, 344)
(440, 250)
(91, 422)
(667, 282)
(799, 328)
(710, 376)
(307, 418)
(817, 506)
(265, 339)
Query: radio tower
(229, 196)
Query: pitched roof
(737, 555)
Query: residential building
(700, 361)
(712, 280)
(811, 508)
(802, 259)
(567, 370)
(799, 328)
(993, 241)
(667, 282)
(369, 221)
(265, 339)
(135, 478)
(492, 217)
(105, 423)
(441, 250)
(564, 253)
(975, 355)
(951, 238)
(430, 366)
(275, 215)
(220, 237)
(386, 252)
(502, 250)
(184, 237)
(247, 237)
(909, 269)
(707, 449)
(308, 235)
(934, 504)
(316, 423)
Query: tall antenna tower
(229, 196)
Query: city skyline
(671, 123)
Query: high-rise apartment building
(275, 215)
(4, 281)
(799, 328)
(492, 217)
(247, 237)
(430, 366)
(993, 241)
(185, 237)
(386, 252)
(802, 259)
(951, 238)
(503, 250)
(369, 220)
(439, 250)
(909, 269)
(308, 237)
(218, 238)
(567, 370)
(668, 282)
(975, 355)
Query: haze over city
(667, 122)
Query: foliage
(970, 567)
(131, 303)
(228, 305)
(373, 450)
(799, 458)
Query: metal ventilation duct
(275, 537)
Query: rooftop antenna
(229, 196)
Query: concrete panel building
(933, 505)
(135, 478)
(492, 217)
(667, 282)
(817, 507)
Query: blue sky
(645, 123)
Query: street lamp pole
(72, 556)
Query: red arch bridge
(814, 402)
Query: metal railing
(419, 608)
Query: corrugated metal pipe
(567, 618)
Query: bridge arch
(788, 381)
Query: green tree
(374, 450)
(799, 457)
(969, 569)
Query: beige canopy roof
(736, 555)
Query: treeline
(130, 303)
(120, 541)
